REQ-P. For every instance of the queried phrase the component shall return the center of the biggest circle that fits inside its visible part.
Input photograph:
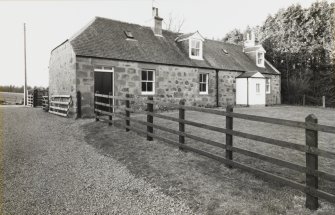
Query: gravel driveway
(49, 169)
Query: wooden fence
(311, 150)
(35, 97)
(60, 104)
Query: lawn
(208, 186)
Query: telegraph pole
(25, 65)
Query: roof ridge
(115, 20)
(82, 29)
(224, 42)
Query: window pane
(200, 78)
(144, 75)
(193, 52)
(205, 77)
(200, 88)
(193, 44)
(144, 86)
(197, 44)
(150, 75)
(197, 52)
(204, 87)
(149, 87)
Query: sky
(49, 23)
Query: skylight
(225, 51)
(129, 34)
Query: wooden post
(78, 104)
(35, 95)
(311, 162)
(304, 100)
(324, 101)
(150, 119)
(181, 124)
(110, 109)
(95, 107)
(127, 112)
(229, 137)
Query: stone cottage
(116, 57)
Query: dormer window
(194, 43)
(195, 49)
(260, 59)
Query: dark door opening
(103, 84)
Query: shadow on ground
(206, 185)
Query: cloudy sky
(51, 22)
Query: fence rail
(311, 150)
(60, 105)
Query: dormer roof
(258, 48)
(194, 35)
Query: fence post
(110, 109)
(229, 137)
(304, 100)
(311, 162)
(35, 97)
(95, 107)
(324, 101)
(78, 104)
(181, 124)
(127, 112)
(150, 119)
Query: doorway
(104, 84)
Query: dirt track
(49, 169)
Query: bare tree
(174, 23)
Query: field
(11, 98)
(211, 187)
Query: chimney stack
(157, 27)
(250, 41)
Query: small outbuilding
(251, 89)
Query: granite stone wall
(227, 87)
(172, 83)
(62, 73)
(274, 97)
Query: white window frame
(258, 88)
(267, 83)
(201, 82)
(262, 58)
(153, 82)
(200, 49)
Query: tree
(174, 23)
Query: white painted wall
(241, 91)
(254, 97)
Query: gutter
(166, 64)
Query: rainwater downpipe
(247, 92)
(217, 88)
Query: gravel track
(49, 169)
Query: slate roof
(248, 74)
(105, 38)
